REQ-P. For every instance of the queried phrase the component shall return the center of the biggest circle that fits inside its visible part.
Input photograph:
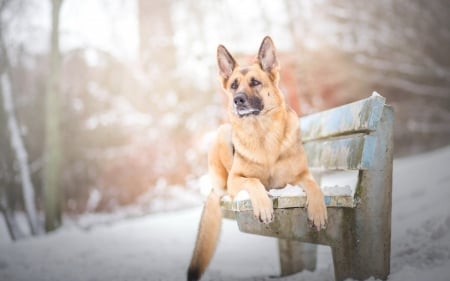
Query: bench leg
(341, 263)
(296, 256)
(360, 255)
(364, 247)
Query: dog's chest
(270, 153)
(281, 172)
(274, 168)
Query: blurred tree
(9, 119)
(21, 154)
(7, 185)
(52, 190)
(156, 48)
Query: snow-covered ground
(158, 247)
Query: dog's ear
(267, 57)
(225, 62)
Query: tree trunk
(10, 130)
(8, 214)
(52, 189)
(21, 155)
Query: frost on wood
(21, 155)
(338, 188)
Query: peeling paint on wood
(353, 152)
(359, 116)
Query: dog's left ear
(267, 57)
(226, 62)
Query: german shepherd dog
(259, 149)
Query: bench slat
(339, 195)
(359, 116)
(283, 202)
(354, 152)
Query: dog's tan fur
(259, 149)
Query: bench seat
(341, 194)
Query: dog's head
(252, 90)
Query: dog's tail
(207, 237)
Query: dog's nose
(240, 99)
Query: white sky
(112, 25)
(109, 25)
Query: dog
(259, 149)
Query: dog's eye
(254, 82)
(234, 85)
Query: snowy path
(158, 247)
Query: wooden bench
(354, 139)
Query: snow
(287, 191)
(332, 184)
(158, 247)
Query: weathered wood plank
(353, 152)
(337, 196)
(369, 253)
(296, 256)
(359, 116)
(293, 224)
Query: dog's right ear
(226, 63)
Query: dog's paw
(262, 208)
(317, 211)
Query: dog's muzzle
(246, 105)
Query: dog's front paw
(317, 210)
(262, 207)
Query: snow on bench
(351, 150)
(341, 193)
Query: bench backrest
(340, 138)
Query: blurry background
(109, 105)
